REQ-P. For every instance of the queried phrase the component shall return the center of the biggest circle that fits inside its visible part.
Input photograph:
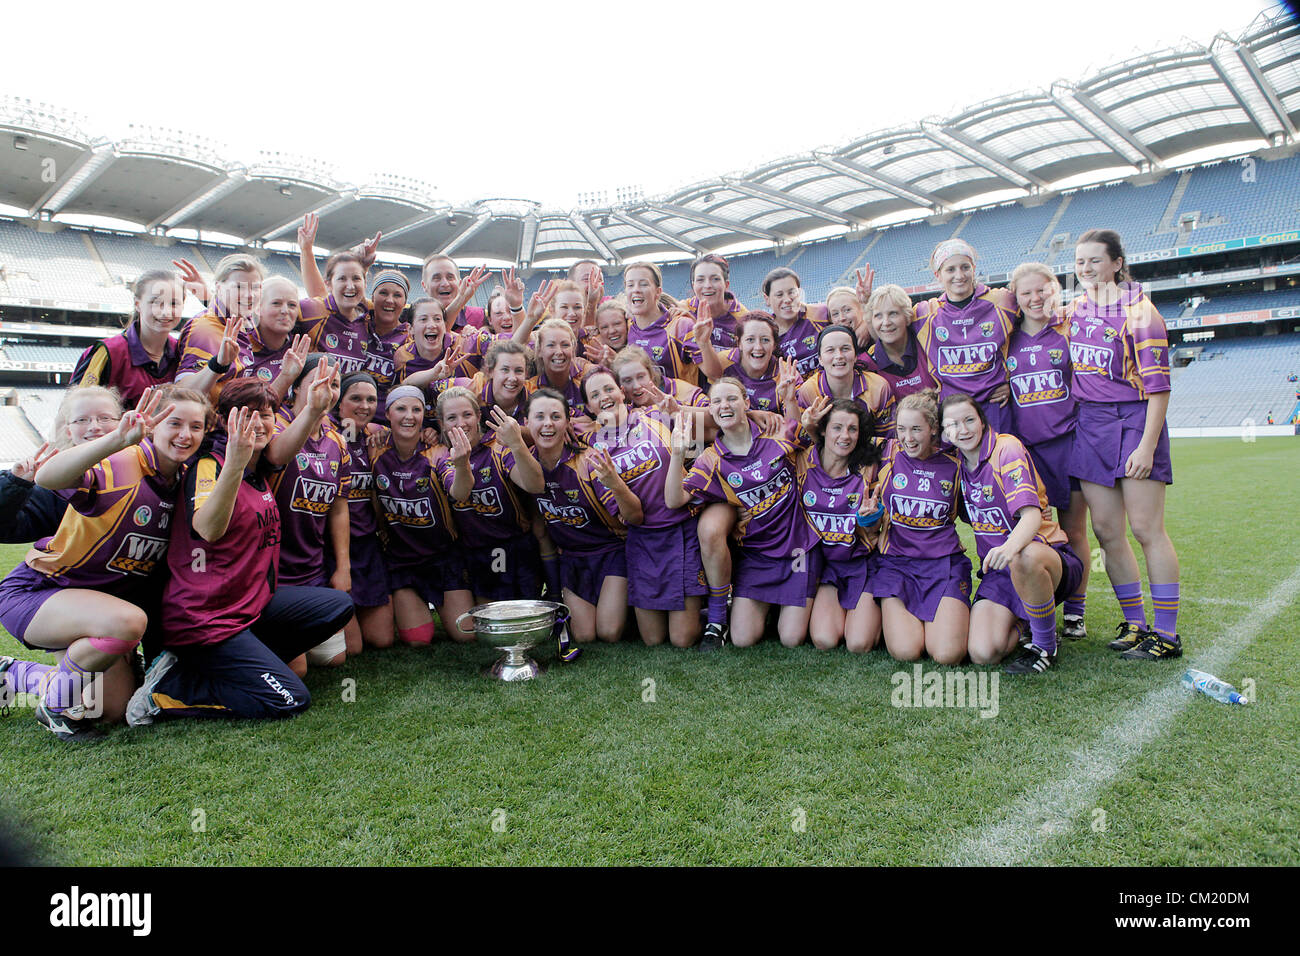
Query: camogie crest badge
(331, 341)
(941, 334)
(382, 482)
(1074, 328)
(900, 482)
(809, 498)
(142, 515)
(1011, 363)
(735, 480)
(264, 374)
(302, 460)
(1055, 355)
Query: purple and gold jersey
(1005, 481)
(580, 512)
(361, 481)
(912, 375)
(265, 362)
(121, 362)
(761, 390)
(920, 499)
(202, 339)
(967, 347)
(799, 342)
(331, 333)
(475, 344)
(218, 588)
(641, 447)
(668, 342)
(762, 486)
(726, 328)
(831, 505)
(572, 388)
(115, 530)
(1120, 351)
(305, 489)
(380, 352)
(407, 359)
(412, 505)
(870, 390)
(494, 511)
(1040, 374)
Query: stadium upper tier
(90, 269)
(1135, 118)
(1234, 380)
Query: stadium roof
(1135, 116)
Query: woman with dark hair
(842, 376)
(753, 362)
(144, 354)
(797, 323)
(1119, 351)
(711, 297)
(835, 492)
(668, 340)
(228, 630)
(1026, 564)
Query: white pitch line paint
(1047, 810)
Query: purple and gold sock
(28, 677)
(551, 569)
(1075, 603)
(66, 684)
(718, 603)
(1164, 607)
(1130, 602)
(1042, 624)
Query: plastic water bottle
(1211, 686)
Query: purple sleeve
(702, 481)
(1151, 350)
(1017, 476)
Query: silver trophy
(514, 627)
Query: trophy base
(514, 665)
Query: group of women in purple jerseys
(294, 480)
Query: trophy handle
(460, 627)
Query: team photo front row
(296, 481)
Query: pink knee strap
(416, 635)
(112, 645)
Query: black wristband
(217, 367)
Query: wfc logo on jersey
(640, 459)
(483, 501)
(835, 528)
(1039, 388)
(570, 517)
(412, 512)
(760, 499)
(967, 359)
(987, 521)
(1089, 359)
(138, 554)
(312, 497)
(919, 512)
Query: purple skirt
(787, 581)
(1052, 459)
(996, 586)
(921, 583)
(505, 570)
(668, 560)
(370, 586)
(432, 580)
(1000, 416)
(22, 593)
(584, 573)
(1106, 434)
(849, 578)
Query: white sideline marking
(1048, 809)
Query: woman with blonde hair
(144, 355)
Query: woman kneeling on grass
(78, 594)
(228, 630)
(777, 560)
(1026, 564)
(922, 574)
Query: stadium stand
(126, 257)
(40, 352)
(17, 437)
(1232, 204)
(55, 265)
(40, 405)
(1237, 379)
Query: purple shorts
(505, 570)
(849, 578)
(999, 416)
(369, 573)
(786, 581)
(921, 583)
(22, 593)
(668, 560)
(996, 586)
(433, 579)
(1106, 434)
(584, 573)
(1052, 459)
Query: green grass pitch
(764, 756)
